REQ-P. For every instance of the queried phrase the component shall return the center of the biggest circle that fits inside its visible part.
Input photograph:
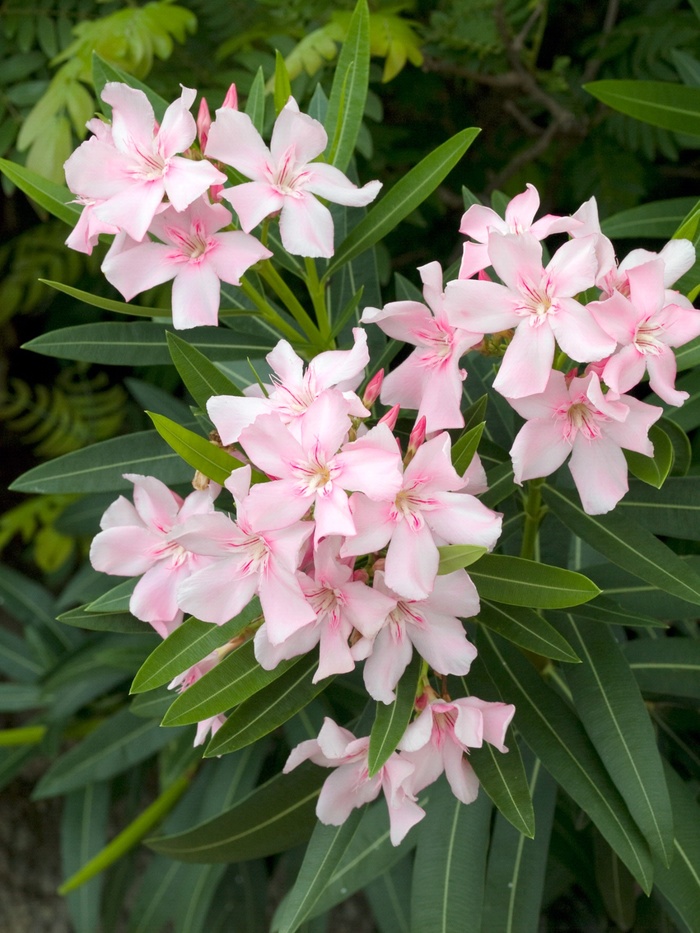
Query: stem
(318, 299)
(533, 516)
(268, 312)
(25, 735)
(291, 302)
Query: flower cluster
(146, 184)
(628, 329)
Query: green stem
(533, 516)
(318, 299)
(25, 735)
(269, 313)
(291, 302)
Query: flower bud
(231, 99)
(391, 417)
(203, 123)
(374, 387)
(416, 438)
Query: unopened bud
(360, 576)
(391, 417)
(203, 123)
(374, 387)
(417, 437)
(231, 99)
(573, 373)
(483, 276)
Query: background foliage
(517, 70)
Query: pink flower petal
(234, 140)
(527, 362)
(328, 182)
(196, 292)
(178, 128)
(306, 227)
(599, 470)
(253, 202)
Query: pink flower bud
(483, 276)
(417, 437)
(203, 123)
(231, 99)
(374, 387)
(391, 417)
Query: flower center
(581, 417)
(646, 339)
(316, 475)
(537, 303)
(193, 245)
(287, 177)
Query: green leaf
(103, 71)
(680, 883)
(276, 816)
(391, 719)
(106, 304)
(283, 87)
(140, 344)
(389, 896)
(122, 622)
(115, 746)
(682, 454)
(655, 219)
(558, 738)
(450, 865)
(323, 853)
(526, 628)
(516, 868)
(56, 199)
(187, 645)
(268, 709)
(255, 105)
(463, 450)
(520, 582)
(628, 545)
(199, 452)
(83, 833)
(665, 667)
(201, 377)
(456, 556)
(652, 470)
(673, 511)
(234, 679)
(403, 198)
(611, 708)
(617, 887)
(671, 106)
(115, 600)
(603, 609)
(346, 105)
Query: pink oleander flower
(678, 257)
(246, 557)
(426, 512)
(342, 605)
(284, 177)
(575, 417)
(211, 725)
(430, 380)
(445, 730)
(431, 626)
(646, 325)
(294, 388)
(139, 540)
(538, 302)
(319, 469)
(479, 221)
(350, 785)
(193, 253)
(132, 169)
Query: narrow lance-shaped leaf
(557, 737)
(391, 719)
(628, 545)
(665, 667)
(188, 644)
(255, 105)
(276, 816)
(200, 453)
(268, 709)
(103, 72)
(346, 105)
(517, 865)
(526, 628)
(456, 556)
(54, 198)
(671, 106)
(465, 447)
(520, 582)
(403, 198)
(615, 717)
(450, 866)
(283, 88)
(325, 849)
(200, 376)
(107, 304)
(83, 832)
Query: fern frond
(77, 410)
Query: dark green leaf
(391, 719)
(255, 105)
(557, 737)
(526, 628)
(404, 197)
(122, 622)
(465, 447)
(83, 835)
(107, 304)
(276, 816)
(665, 667)
(346, 105)
(103, 71)
(519, 582)
(56, 199)
(671, 106)
(654, 219)
(199, 452)
(673, 510)
(200, 376)
(188, 644)
(628, 545)
(652, 470)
